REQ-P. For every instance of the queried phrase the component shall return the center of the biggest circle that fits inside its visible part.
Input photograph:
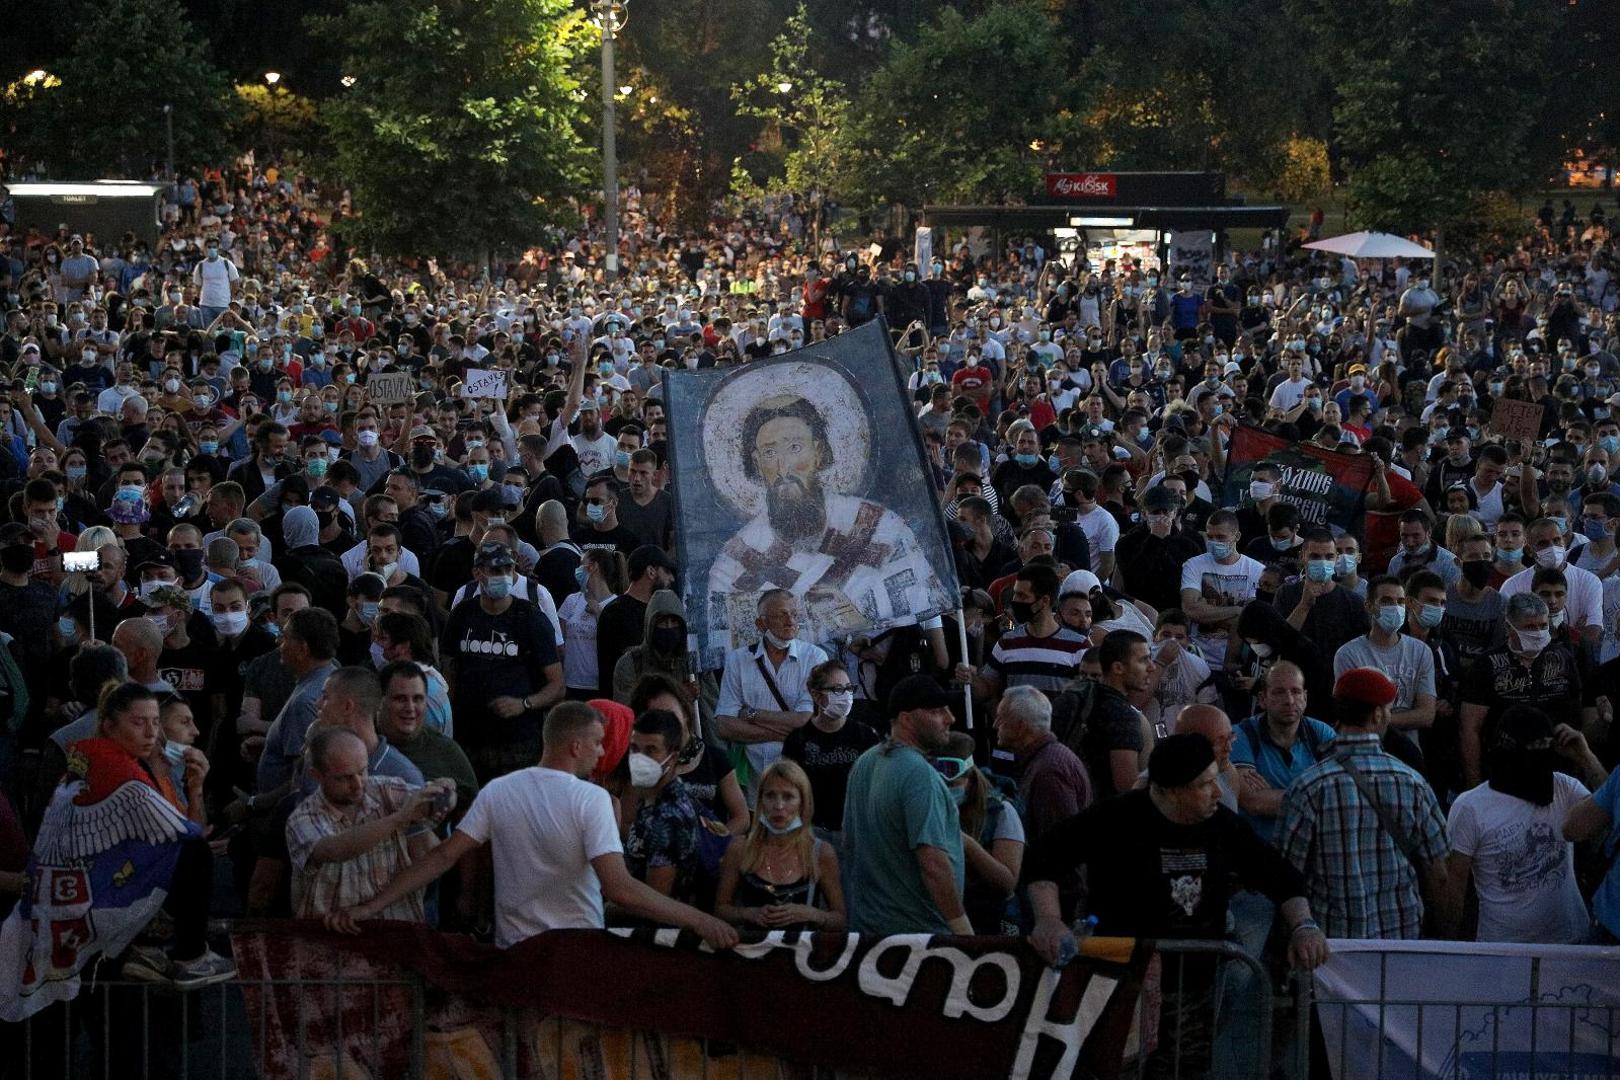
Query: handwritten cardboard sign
(390, 388)
(484, 384)
(1515, 420)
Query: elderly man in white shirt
(764, 689)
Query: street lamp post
(168, 130)
(610, 16)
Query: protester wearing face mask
(1316, 604)
(827, 747)
(1406, 661)
(656, 811)
(502, 662)
(1585, 604)
(601, 577)
(1535, 668)
(781, 876)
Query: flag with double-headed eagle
(99, 871)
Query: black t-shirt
(1114, 724)
(194, 670)
(703, 782)
(618, 538)
(1150, 877)
(452, 565)
(555, 570)
(827, 757)
(26, 613)
(622, 624)
(1555, 682)
(502, 655)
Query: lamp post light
(272, 77)
(610, 16)
(168, 125)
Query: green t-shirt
(896, 803)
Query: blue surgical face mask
(1219, 549)
(792, 826)
(580, 575)
(1319, 569)
(958, 795)
(1345, 565)
(479, 471)
(1595, 529)
(1430, 615)
(1610, 444)
(437, 510)
(368, 611)
(1028, 461)
(595, 512)
(498, 588)
(1391, 618)
(1506, 555)
(621, 458)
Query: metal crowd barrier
(1457, 1032)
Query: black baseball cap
(919, 692)
(493, 555)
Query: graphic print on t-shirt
(1225, 590)
(499, 644)
(1185, 869)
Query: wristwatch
(1305, 924)
(748, 713)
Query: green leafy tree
(275, 120)
(972, 111)
(803, 109)
(1434, 116)
(100, 114)
(461, 131)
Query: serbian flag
(100, 870)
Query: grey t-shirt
(1409, 663)
(1474, 626)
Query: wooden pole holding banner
(967, 688)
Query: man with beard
(902, 831)
(594, 447)
(849, 560)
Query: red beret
(1369, 686)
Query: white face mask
(1533, 642)
(230, 623)
(839, 702)
(645, 771)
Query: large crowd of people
(346, 636)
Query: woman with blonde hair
(1460, 527)
(781, 877)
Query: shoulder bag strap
(764, 670)
(1406, 844)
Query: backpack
(1071, 712)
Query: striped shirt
(1046, 663)
(319, 888)
(1359, 883)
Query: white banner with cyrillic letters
(1450, 1010)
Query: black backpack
(1071, 712)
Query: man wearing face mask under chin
(1534, 669)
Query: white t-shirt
(1102, 532)
(1289, 393)
(551, 825)
(1583, 605)
(214, 277)
(1524, 869)
(579, 635)
(1219, 586)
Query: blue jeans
(1235, 1049)
(209, 314)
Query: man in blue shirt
(1273, 747)
(1589, 819)
(902, 832)
(1185, 308)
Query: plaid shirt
(1359, 883)
(318, 888)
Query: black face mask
(1023, 611)
(324, 518)
(1477, 572)
(421, 457)
(1265, 596)
(189, 561)
(667, 639)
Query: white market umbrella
(1372, 245)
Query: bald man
(1212, 724)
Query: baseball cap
(1368, 686)
(1080, 581)
(918, 692)
(324, 497)
(494, 556)
(1357, 369)
(158, 560)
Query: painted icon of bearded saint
(852, 563)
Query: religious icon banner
(804, 472)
